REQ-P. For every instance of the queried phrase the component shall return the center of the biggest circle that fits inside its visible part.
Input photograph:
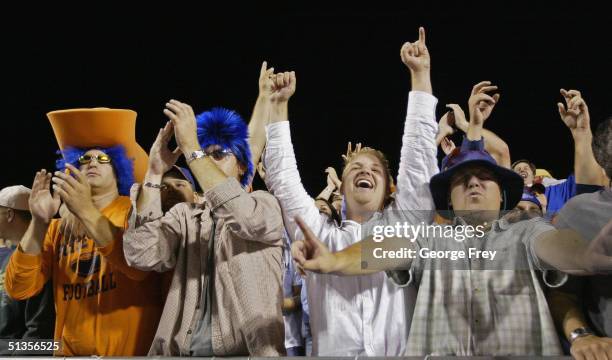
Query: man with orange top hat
(103, 306)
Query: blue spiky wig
(123, 166)
(226, 128)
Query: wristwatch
(195, 155)
(579, 332)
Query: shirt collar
(498, 225)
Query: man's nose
(473, 182)
(364, 171)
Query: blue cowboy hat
(510, 183)
(529, 196)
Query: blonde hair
(351, 154)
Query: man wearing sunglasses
(103, 306)
(225, 254)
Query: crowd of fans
(122, 253)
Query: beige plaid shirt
(247, 295)
(471, 307)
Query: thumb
(562, 110)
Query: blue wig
(226, 128)
(123, 166)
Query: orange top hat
(100, 127)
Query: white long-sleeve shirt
(355, 315)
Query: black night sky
(352, 85)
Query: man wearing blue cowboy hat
(460, 309)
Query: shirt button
(476, 321)
(475, 289)
(189, 332)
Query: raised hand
(161, 158)
(43, 205)
(447, 145)
(445, 127)
(74, 191)
(415, 55)
(349, 150)
(311, 254)
(576, 115)
(185, 130)
(481, 104)
(284, 87)
(266, 80)
(332, 178)
(458, 117)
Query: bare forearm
(148, 194)
(566, 311)
(257, 127)
(279, 112)
(204, 170)
(564, 250)
(497, 147)
(98, 227)
(474, 132)
(32, 241)
(421, 81)
(326, 193)
(586, 169)
(349, 261)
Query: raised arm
(161, 160)
(75, 191)
(282, 176)
(151, 240)
(205, 171)
(480, 105)
(30, 265)
(418, 157)
(43, 206)
(575, 115)
(567, 251)
(333, 184)
(261, 113)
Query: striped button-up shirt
(358, 314)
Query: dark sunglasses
(101, 159)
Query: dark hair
(531, 165)
(602, 146)
(334, 214)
